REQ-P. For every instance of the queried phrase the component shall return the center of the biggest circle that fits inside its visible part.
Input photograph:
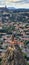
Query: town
(14, 30)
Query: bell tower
(12, 38)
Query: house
(21, 44)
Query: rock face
(14, 57)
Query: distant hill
(21, 10)
(14, 9)
(18, 10)
(11, 8)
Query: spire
(5, 6)
(12, 37)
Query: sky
(15, 3)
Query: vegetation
(26, 42)
(8, 28)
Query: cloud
(15, 3)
